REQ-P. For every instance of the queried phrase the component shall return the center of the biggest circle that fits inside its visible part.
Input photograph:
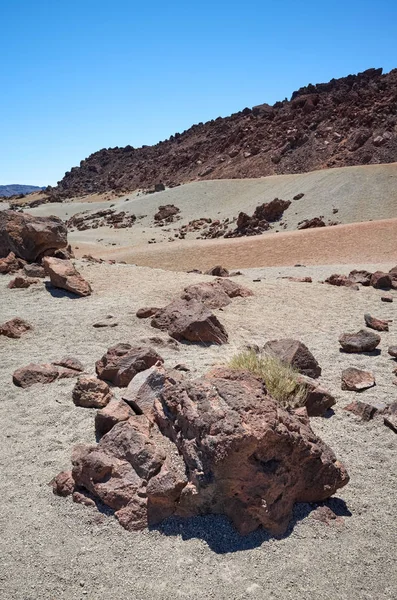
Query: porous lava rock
(294, 353)
(122, 362)
(15, 328)
(218, 445)
(374, 323)
(362, 341)
(90, 392)
(190, 320)
(63, 275)
(30, 237)
(357, 380)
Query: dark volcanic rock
(22, 282)
(363, 277)
(312, 223)
(30, 237)
(166, 213)
(218, 271)
(296, 354)
(215, 294)
(362, 341)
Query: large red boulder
(30, 237)
(218, 445)
(63, 275)
(122, 362)
(296, 354)
(190, 320)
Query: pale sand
(51, 548)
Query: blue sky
(78, 76)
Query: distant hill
(345, 122)
(15, 189)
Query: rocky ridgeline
(348, 121)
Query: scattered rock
(63, 484)
(296, 354)
(33, 373)
(34, 270)
(218, 271)
(122, 362)
(63, 275)
(362, 341)
(390, 418)
(22, 282)
(190, 320)
(90, 392)
(357, 380)
(146, 312)
(381, 280)
(298, 196)
(341, 280)
(101, 324)
(300, 279)
(215, 294)
(374, 323)
(15, 328)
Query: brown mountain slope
(348, 121)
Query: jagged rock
(190, 320)
(311, 223)
(381, 280)
(34, 270)
(218, 271)
(114, 412)
(90, 392)
(366, 410)
(357, 380)
(20, 282)
(296, 354)
(362, 277)
(362, 341)
(30, 237)
(374, 323)
(392, 350)
(15, 328)
(215, 294)
(63, 275)
(146, 312)
(34, 373)
(122, 362)
(218, 445)
(10, 264)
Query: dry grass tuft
(281, 380)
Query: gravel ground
(51, 548)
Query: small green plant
(281, 380)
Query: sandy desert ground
(51, 548)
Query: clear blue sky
(77, 76)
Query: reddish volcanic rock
(296, 354)
(166, 213)
(312, 223)
(357, 380)
(30, 237)
(122, 362)
(33, 373)
(367, 410)
(64, 275)
(69, 362)
(63, 484)
(34, 270)
(15, 328)
(318, 400)
(392, 350)
(218, 445)
(390, 418)
(362, 341)
(90, 392)
(190, 320)
(374, 323)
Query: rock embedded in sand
(30, 237)
(34, 373)
(367, 410)
(63, 275)
(90, 392)
(357, 380)
(166, 213)
(296, 354)
(374, 323)
(318, 399)
(311, 223)
(15, 328)
(190, 320)
(69, 362)
(341, 281)
(386, 298)
(363, 277)
(390, 418)
(362, 341)
(122, 362)
(215, 446)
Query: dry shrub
(281, 380)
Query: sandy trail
(52, 548)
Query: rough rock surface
(357, 380)
(91, 392)
(362, 341)
(10, 264)
(63, 275)
(367, 410)
(122, 362)
(218, 445)
(190, 320)
(312, 223)
(166, 213)
(15, 328)
(35, 373)
(296, 354)
(30, 237)
(374, 323)
(392, 350)
(390, 418)
(69, 362)
(363, 277)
